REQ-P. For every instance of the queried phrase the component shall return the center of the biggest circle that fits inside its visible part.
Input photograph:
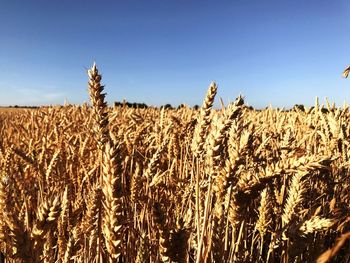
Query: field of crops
(101, 184)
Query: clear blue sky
(282, 52)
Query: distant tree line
(23, 107)
(301, 107)
(131, 105)
(136, 105)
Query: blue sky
(271, 51)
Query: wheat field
(93, 183)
